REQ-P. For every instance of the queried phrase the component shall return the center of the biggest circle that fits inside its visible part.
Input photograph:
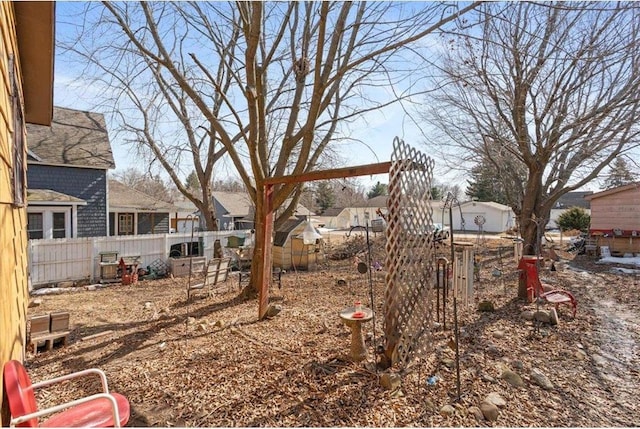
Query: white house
(494, 217)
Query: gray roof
(185, 205)
(379, 201)
(282, 233)
(125, 198)
(42, 196)
(75, 138)
(573, 199)
(332, 211)
(237, 204)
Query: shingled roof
(75, 138)
(124, 198)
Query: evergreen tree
(325, 195)
(377, 190)
(192, 183)
(619, 175)
(484, 186)
(436, 193)
(574, 218)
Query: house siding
(13, 236)
(86, 183)
(617, 210)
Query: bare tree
(270, 85)
(147, 183)
(547, 93)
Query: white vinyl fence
(74, 259)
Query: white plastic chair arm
(90, 371)
(57, 408)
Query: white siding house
(498, 217)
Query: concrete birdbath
(354, 318)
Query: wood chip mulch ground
(210, 362)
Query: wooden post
(264, 273)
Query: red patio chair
(535, 288)
(99, 410)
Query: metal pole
(455, 332)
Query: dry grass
(210, 362)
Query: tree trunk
(534, 217)
(261, 271)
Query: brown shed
(289, 250)
(615, 218)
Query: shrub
(574, 218)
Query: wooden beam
(264, 273)
(338, 173)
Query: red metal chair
(535, 288)
(99, 410)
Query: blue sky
(377, 131)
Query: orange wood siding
(13, 239)
(619, 210)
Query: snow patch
(616, 260)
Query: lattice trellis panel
(410, 265)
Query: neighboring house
(233, 210)
(567, 201)
(26, 95)
(347, 217)
(71, 157)
(615, 218)
(363, 214)
(51, 214)
(497, 217)
(333, 218)
(132, 212)
(185, 218)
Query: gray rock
(449, 363)
(580, 355)
(476, 412)
(517, 364)
(489, 411)
(486, 306)
(540, 379)
(499, 334)
(542, 316)
(35, 302)
(599, 360)
(527, 315)
(495, 399)
(447, 410)
(512, 378)
(273, 310)
(493, 350)
(390, 381)
(487, 378)
(553, 316)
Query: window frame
(18, 174)
(30, 225)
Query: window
(18, 176)
(35, 228)
(59, 225)
(125, 224)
